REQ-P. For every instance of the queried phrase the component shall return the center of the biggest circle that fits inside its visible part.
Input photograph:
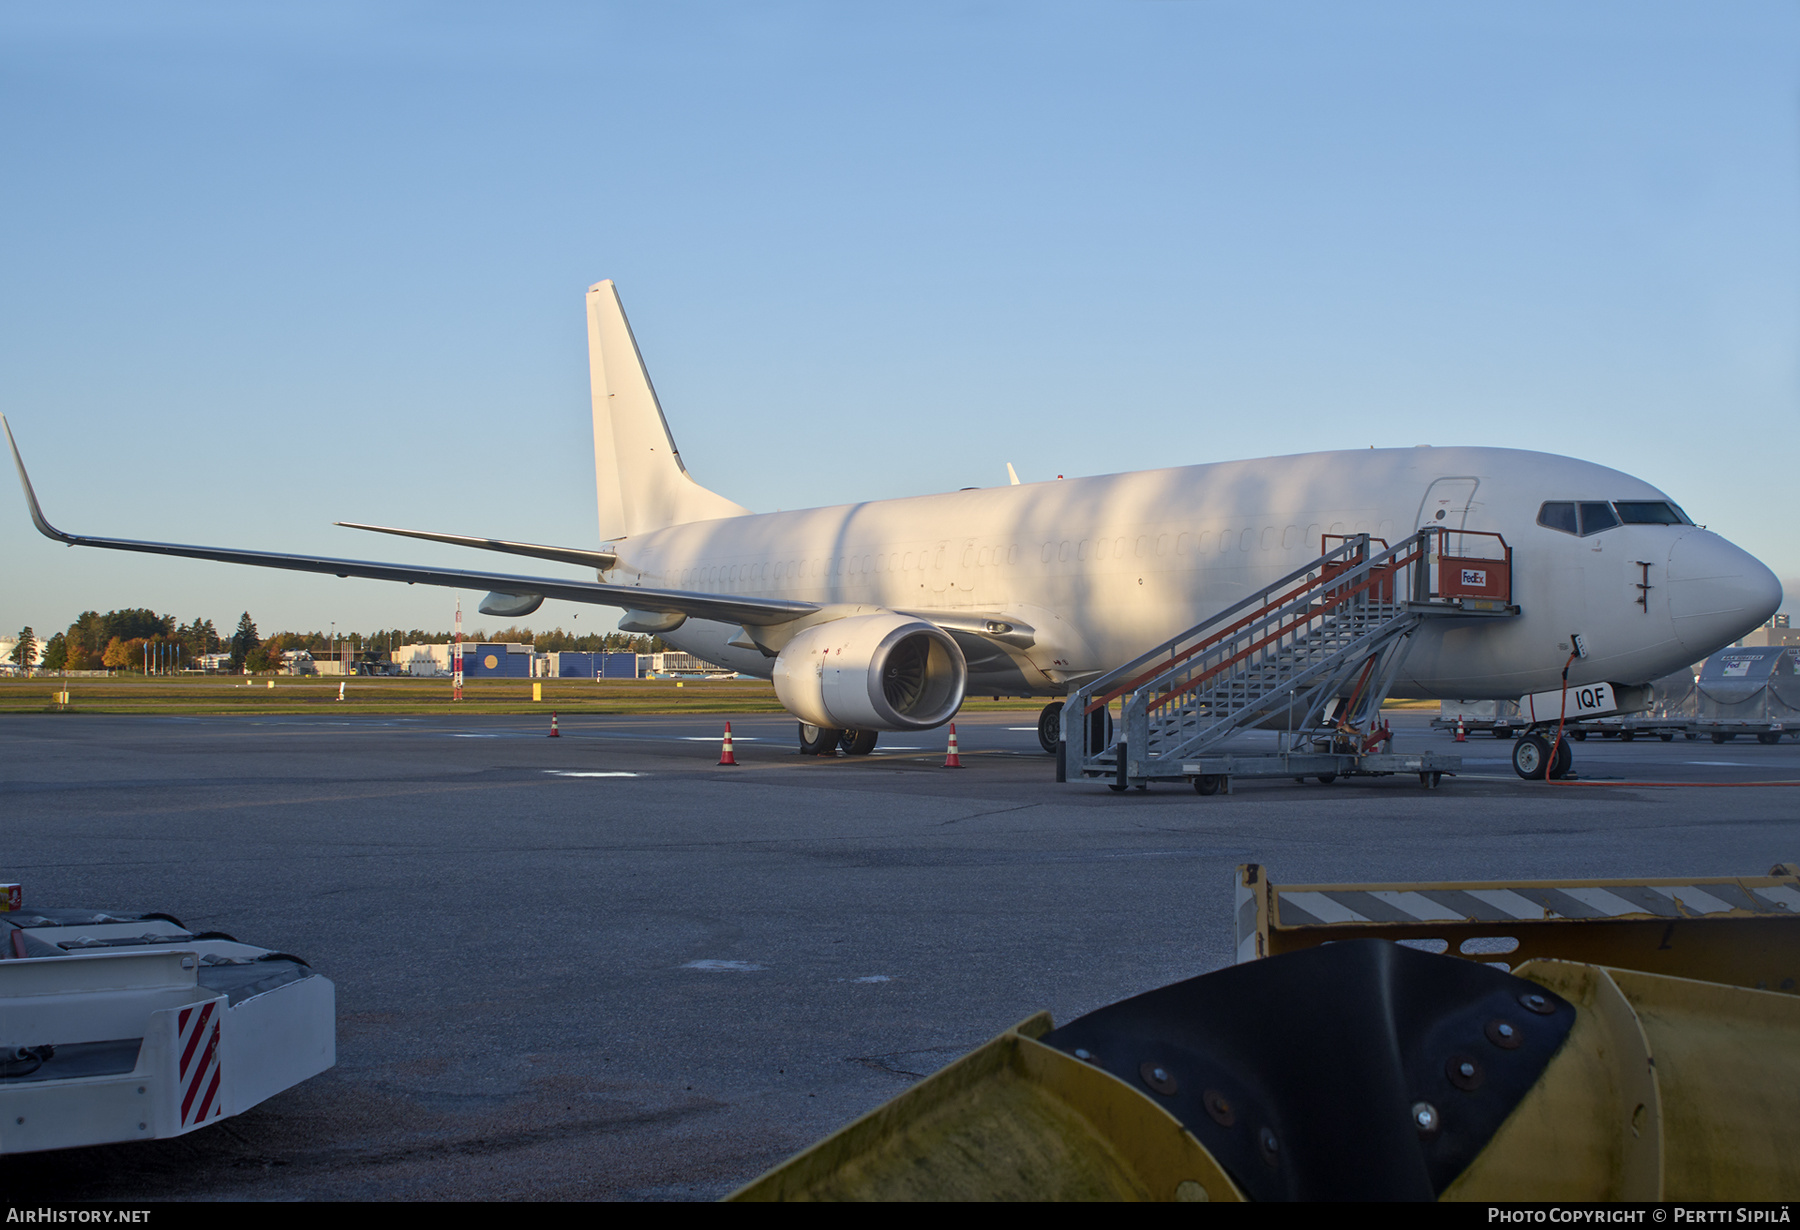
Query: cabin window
(1143, 545)
(1181, 544)
(1048, 548)
(1247, 539)
(1162, 544)
(1081, 551)
(1650, 512)
(1062, 552)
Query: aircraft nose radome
(1717, 592)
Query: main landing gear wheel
(1050, 727)
(1531, 757)
(1768, 736)
(818, 740)
(1208, 783)
(1325, 779)
(1429, 780)
(858, 742)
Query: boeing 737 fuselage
(882, 615)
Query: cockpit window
(1651, 512)
(1559, 515)
(1597, 517)
(1591, 517)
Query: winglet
(37, 514)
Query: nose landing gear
(1531, 758)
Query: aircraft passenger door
(1446, 503)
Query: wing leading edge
(760, 612)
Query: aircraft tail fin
(642, 483)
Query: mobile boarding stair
(1313, 654)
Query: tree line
(125, 640)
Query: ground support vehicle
(1627, 729)
(1499, 718)
(119, 1027)
(1724, 730)
(1499, 728)
(1527, 1040)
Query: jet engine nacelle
(872, 672)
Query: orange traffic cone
(953, 761)
(1459, 729)
(725, 756)
(554, 732)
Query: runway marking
(724, 967)
(715, 739)
(873, 978)
(588, 773)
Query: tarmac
(603, 966)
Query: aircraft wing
(725, 608)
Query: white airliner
(881, 616)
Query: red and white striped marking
(197, 1042)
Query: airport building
(480, 661)
(672, 663)
(571, 664)
(1777, 633)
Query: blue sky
(270, 267)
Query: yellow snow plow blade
(1363, 1069)
(1012, 1120)
(1667, 1089)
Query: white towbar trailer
(130, 1027)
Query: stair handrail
(1300, 679)
(1340, 594)
(1262, 595)
(1091, 696)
